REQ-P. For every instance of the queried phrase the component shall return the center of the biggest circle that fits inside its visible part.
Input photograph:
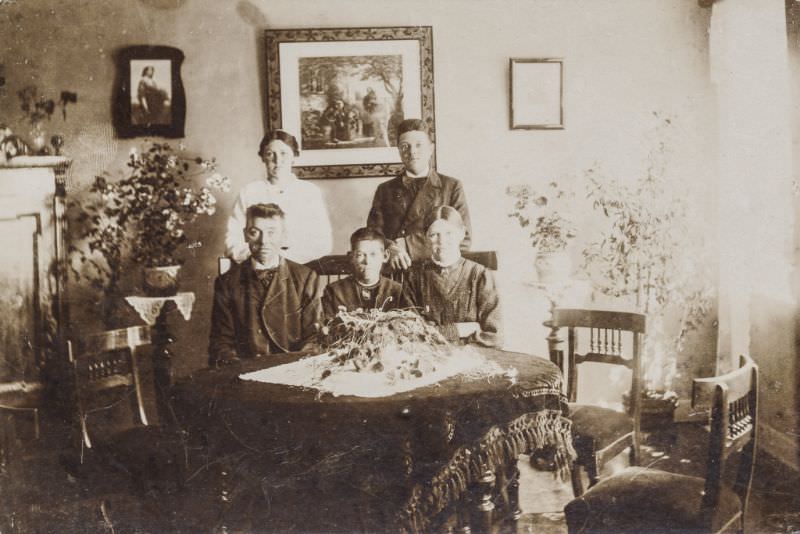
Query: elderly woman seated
(457, 294)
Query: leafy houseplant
(646, 253)
(549, 231)
(142, 217)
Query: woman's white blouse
(308, 228)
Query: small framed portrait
(537, 94)
(150, 99)
(343, 91)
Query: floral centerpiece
(143, 217)
(396, 342)
(549, 230)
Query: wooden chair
(19, 406)
(649, 500)
(337, 266)
(600, 434)
(331, 268)
(110, 408)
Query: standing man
(267, 304)
(400, 206)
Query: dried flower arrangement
(398, 343)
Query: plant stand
(658, 410)
(153, 311)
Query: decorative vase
(552, 267)
(38, 139)
(161, 281)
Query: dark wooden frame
(732, 400)
(423, 34)
(616, 323)
(122, 102)
(513, 124)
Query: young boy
(366, 288)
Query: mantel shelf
(20, 162)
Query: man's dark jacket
(289, 314)
(395, 218)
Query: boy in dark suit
(366, 288)
(401, 204)
(267, 304)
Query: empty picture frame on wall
(150, 99)
(537, 93)
(343, 91)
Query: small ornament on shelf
(11, 145)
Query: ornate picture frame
(537, 94)
(150, 99)
(342, 91)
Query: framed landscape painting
(343, 91)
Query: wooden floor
(53, 496)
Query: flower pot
(161, 281)
(658, 409)
(552, 267)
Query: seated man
(400, 205)
(457, 294)
(265, 305)
(366, 288)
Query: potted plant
(143, 217)
(646, 253)
(549, 230)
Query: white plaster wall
(624, 59)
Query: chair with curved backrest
(108, 361)
(337, 266)
(111, 410)
(600, 434)
(639, 499)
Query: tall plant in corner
(646, 253)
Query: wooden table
(288, 458)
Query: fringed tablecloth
(366, 464)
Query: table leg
(485, 501)
(513, 496)
(162, 365)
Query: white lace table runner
(148, 308)
(345, 380)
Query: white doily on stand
(148, 308)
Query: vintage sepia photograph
(151, 103)
(149, 96)
(408, 267)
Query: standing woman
(457, 294)
(153, 99)
(308, 228)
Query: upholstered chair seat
(645, 500)
(639, 500)
(594, 428)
